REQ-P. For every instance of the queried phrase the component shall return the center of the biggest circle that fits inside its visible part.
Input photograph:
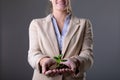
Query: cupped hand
(46, 63)
(71, 64)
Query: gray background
(15, 16)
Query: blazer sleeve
(86, 53)
(34, 52)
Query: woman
(60, 33)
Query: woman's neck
(59, 16)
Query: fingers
(51, 72)
(58, 71)
(48, 72)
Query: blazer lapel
(73, 26)
(51, 35)
(50, 32)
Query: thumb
(73, 67)
(43, 69)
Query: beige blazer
(77, 43)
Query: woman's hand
(72, 63)
(46, 63)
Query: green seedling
(58, 60)
(58, 64)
